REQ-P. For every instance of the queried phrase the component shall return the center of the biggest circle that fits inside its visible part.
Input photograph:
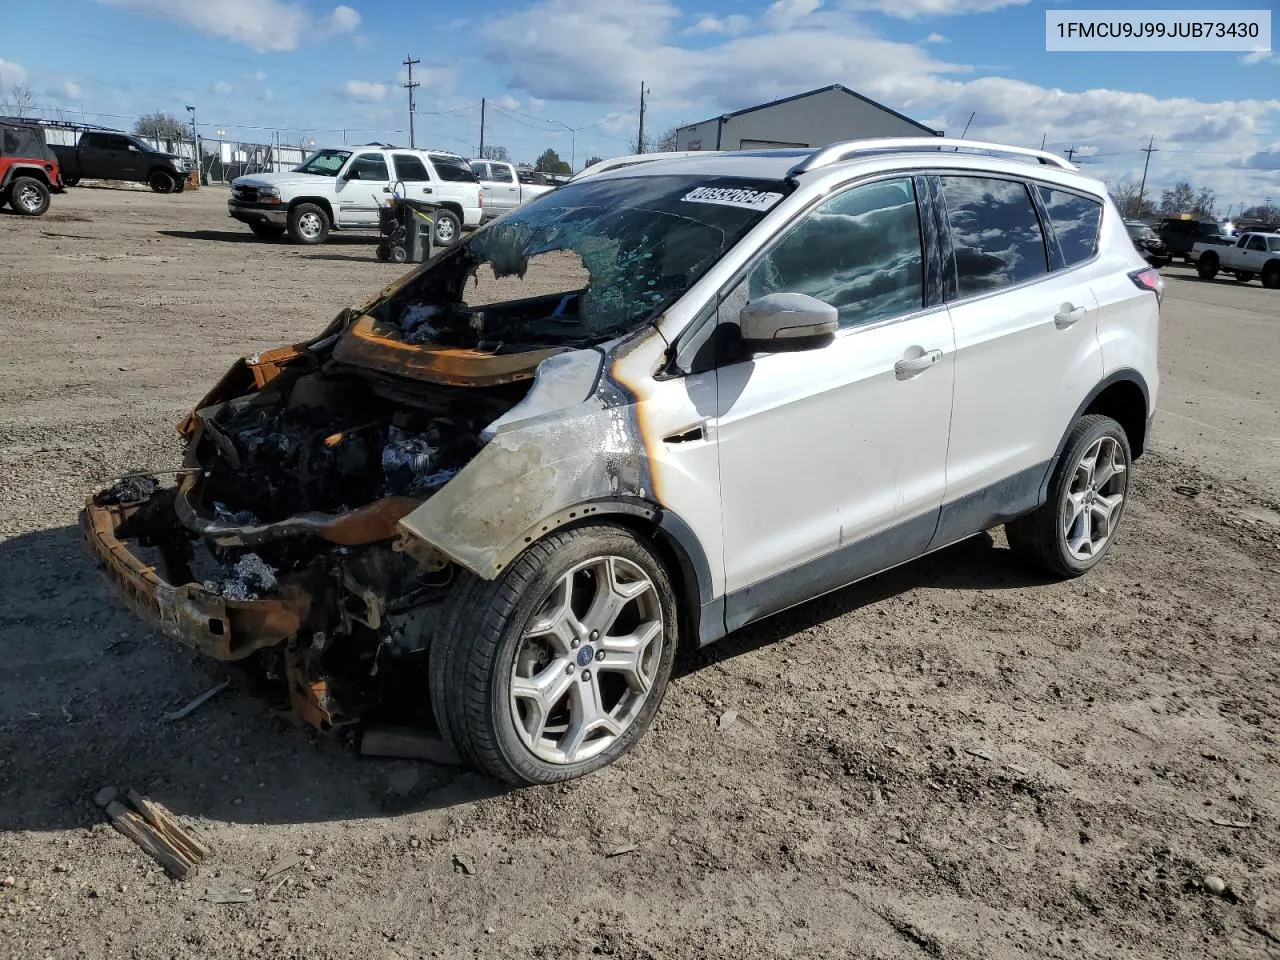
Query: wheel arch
(319, 202)
(1125, 397)
(456, 209)
(32, 170)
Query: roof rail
(848, 149)
(613, 163)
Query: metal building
(811, 119)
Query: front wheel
(1271, 276)
(556, 667)
(1073, 530)
(447, 229)
(1207, 267)
(28, 196)
(308, 223)
(161, 182)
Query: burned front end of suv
(333, 493)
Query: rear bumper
(219, 628)
(274, 214)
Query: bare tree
(1184, 198)
(161, 126)
(592, 161)
(1125, 194)
(21, 99)
(495, 151)
(664, 143)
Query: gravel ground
(956, 759)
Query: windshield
(1273, 244)
(1140, 231)
(324, 163)
(642, 241)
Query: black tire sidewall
(161, 182)
(296, 214)
(1089, 430)
(20, 183)
(1271, 277)
(457, 228)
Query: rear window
(453, 169)
(1075, 220)
(995, 233)
(24, 143)
(410, 168)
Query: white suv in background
(787, 370)
(337, 189)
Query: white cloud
(223, 87)
(1215, 143)
(365, 91)
(910, 9)
(507, 103)
(1260, 56)
(733, 25)
(72, 90)
(935, 38)
(535, 104)
(11, 72)
(783, 13)
(256, 77)
(260, 24)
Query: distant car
(1181, 235)
(504, 189)
(28, 169)
(1252, 255)
(111, 155)
(1153, 249)
(344, 188)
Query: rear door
(502, 189)
(456, 181)
(363, 187)
(1027, 351)
(412, 174)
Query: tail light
(1149, 279)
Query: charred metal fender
(574, 439)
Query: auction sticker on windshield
(733, 197)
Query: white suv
(345, 188)
(786, 371)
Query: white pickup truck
(1252, 255)
(344, 188)
(505, 188)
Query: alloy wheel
(444, 231)
(29, 197)
(1095, 499)
(587, 660)
(309, 225)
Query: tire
(1244, 276)
(382, 252)
(398, 254)
(1271, 276)
(447, 229)
(483, 645)
(161, 182)
(1208, 266)
(309, 224)
(1045, 536)
(266, 231)
(28, 196)
(70, 181)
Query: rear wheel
(1207, 266)
(70, 181)
(308, 223)
(398, 254)
(1073, 530)
(161, 182)
(28, 196)
(266, 231)
(556, 667)
(447, 228)
(1271, 276)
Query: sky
(567, 74)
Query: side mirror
(780, 322)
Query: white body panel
(823, 448)
(1240, 256)
(503, 190)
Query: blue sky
(312, 70)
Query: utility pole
(1149, 149)
(195, 144)
(1070, 152)
(1043, 138)
(482, 103)
(640, 138)
(409, 62)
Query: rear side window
(995, 233)
(1075, 220)
(93, 140)
(453, 169)
(481, 170)
(410, 168)
(860, 252)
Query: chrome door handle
(910, 367)
(1067, 315)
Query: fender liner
(26, 170)
(1123, 375)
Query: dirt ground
(956, 759)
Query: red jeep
(28, 169)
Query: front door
(832, 460)
(363, 187)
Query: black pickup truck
(1180, 235)
(118, 156)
